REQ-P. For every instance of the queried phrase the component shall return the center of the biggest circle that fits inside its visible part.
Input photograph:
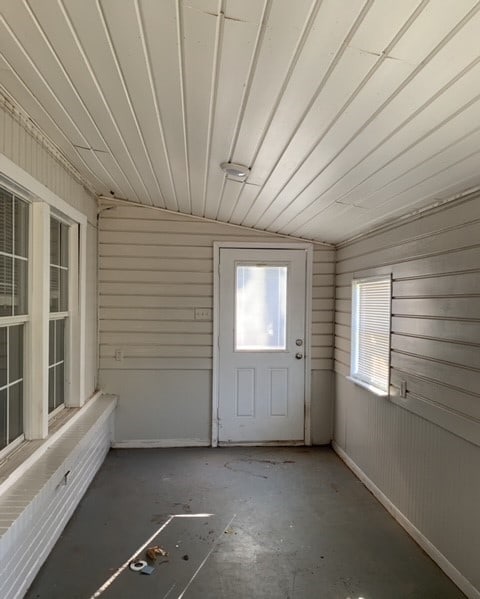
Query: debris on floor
(147, 570)
(137, 565)
(185, 557)
(153, 552)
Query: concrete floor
(286, 523)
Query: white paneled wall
(422, 451)
(155, 268)
(22, 143)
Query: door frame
(308, 248)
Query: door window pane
(261, 307)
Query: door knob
(299, 356)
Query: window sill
(371, 388)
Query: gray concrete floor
(286, 523)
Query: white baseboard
(152, 443)
(463, 584)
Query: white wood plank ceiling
(348, 112)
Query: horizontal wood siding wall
(422, 451)
(23, 144)
(156, 268)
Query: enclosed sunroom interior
(241, 223)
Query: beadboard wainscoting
(36, 507)
(421, 451)
(155, 269)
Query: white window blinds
(371, 305)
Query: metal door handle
(299, 356)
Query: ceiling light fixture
(239, 172)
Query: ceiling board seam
(418, 164)
(399, 127)
(442, 170)
(244, 99)
(399, 89)
(41, 77)
(100, 93)
(335, 60)
(155, 98)
(123, 83)
(315, 7)
(234, 204)
(106, 201)
(251, 70)
(383, 57)
(181, 66)
(213, 97)
(30, 126)
(99, 88)
(424, 212)
(45, 38)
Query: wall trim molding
(457, 577)
(159, 443)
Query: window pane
(51, 389)
(59, 384)
(3, 356)
(54, 241)
(20, 289)
(60, 339)
(6, 285)
(261, 302)
(3, 418)
(15, 412)
(6, 222)
(51, 342)
(15, 351)
(54, 289)
(63, 245)
(63, 304)
(21, 228)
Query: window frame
(44, 203)
(355, 349)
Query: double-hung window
(370, 349)
(14, 249)
(42, 309)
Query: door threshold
(261, 443)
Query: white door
(261, 366)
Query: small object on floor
(153, 552)
(147, 570)
(186, 558)
(137, 565)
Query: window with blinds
(371, 312)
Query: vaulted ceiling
(348, 112)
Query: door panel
(261, 366)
